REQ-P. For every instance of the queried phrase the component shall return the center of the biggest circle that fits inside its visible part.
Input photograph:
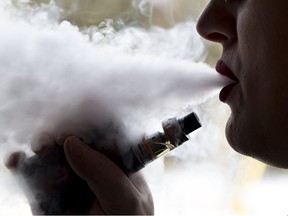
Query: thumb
(115, 192)
(94, 167)
(84, 160)
(76, 151)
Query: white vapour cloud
(134, 70)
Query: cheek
(261, 77)
(259, 122)
(265, 91)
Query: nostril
(217, 37)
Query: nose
(217, 23)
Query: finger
(61, 136)
(139, 182)
(42, 143)
(109, 183)
(14, 160)
(96, 209)
(144, 191)
(46, 142)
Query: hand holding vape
(72, 195)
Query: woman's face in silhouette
(253, 34)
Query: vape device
(158, 144)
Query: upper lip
(223, 69)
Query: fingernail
(76, 146)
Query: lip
(224, 70)
(225, 92)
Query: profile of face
(253, 35)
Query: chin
(269, 158)
(278, 162)
(276, 158)
(269, 152)
(232, 136)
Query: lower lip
(224, 93)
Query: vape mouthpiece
(190, 123)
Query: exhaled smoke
(49, 68)
(136, 72)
